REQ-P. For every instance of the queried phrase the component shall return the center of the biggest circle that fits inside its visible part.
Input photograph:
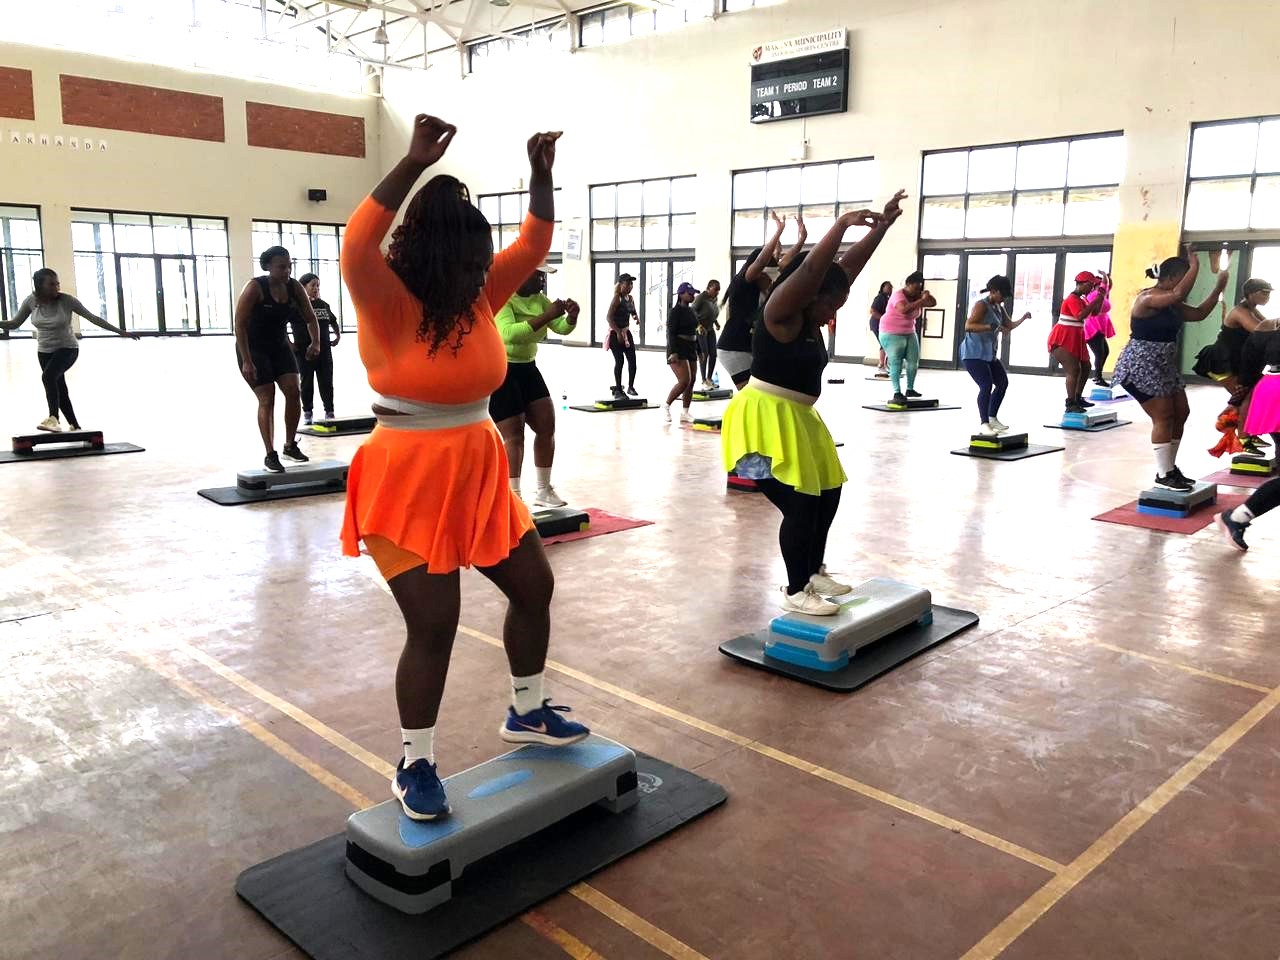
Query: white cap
(545, 268)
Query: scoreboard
(804, 77)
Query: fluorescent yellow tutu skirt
(791, 435)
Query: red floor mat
(1225, 478)
(602, 522)
(1129, 516)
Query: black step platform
(307, 896)
(614, 405)
(868, 663)
(63, 444)
(913, 405)
(339, 427)
(1008, 446)
(718, 394)
(1248, 465)
(554, 521)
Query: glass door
(655, 281)
(179, 300)
(1033, 290)
(1264, 263)
(975, 270)
(138, 290)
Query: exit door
(158, 293)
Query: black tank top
(1161, 327)
(269, 322)
(622, 315)
(1232, 341)
(797, 365)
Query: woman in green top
(524, 397)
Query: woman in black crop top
(622, 310)
(1148, 365)
(682, 350)
(264, 311)
(771, 432)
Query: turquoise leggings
(897, 347)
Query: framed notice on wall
(801, 77)
(935, 321)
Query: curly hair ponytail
(441, 252)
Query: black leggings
(618, 351)
(806, 520)
(706, 355)
(1265, 498)
(992, 383)
(54, 367)
(321, 368)
(1100, 349)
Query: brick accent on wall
(16, 96)
(141, 109)
(307, 131)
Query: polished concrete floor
(1092, 772)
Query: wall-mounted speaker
(317, 196)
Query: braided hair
(442, 251)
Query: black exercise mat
(869, 662)
(326, 434)
(592, 408)
(1021, 453)
(306, 895)
(234, 496)
(885, 408)
(60, 453)
(1098, 429)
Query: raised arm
(512, 266)
(1195, 314)
(428, 141)
(1149, 301)
(789, 298)
(796, 247)
(857, 256)
(767, 252)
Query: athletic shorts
(1071, 339)
(737, 362)
(272, 360)
(523, 385)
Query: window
(820, 192)
(539, 39)
(1233, 182)
(315, 248)
(505, 212)
(647, 228)
(1048, 188)
(21, 255)
(153, 273)
(621, 22)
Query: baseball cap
(687, 288)
(1256, 286)
(545, 267)
(1084, 276)
(625, 277)
(1000, 285)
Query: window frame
(115, 254)
(600, 13)
(344, 295)
(9, 276)
(1065, 191)
(1234, 233)
(738, 251)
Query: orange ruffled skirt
(441, 494)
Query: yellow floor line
(637, 925)
(831, 776)
(1184, 667)
(1040, 902)
(561, 937)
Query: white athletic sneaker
(50, 424)
(827, 586)
(666, 412)
(808, 601)
(988, 430)
(547, 497)
(686, 416)
(997, 426)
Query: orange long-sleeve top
(388, 315)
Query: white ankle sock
(419, 744)
(1164, 458)
(1242, 514)
(544, 477)
(515, 485)
(526, 693)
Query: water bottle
(564, 401)
(715, 380)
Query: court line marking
(1184, 667)
(631, 922)
(562, 938)
(1044, 899)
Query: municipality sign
(824, 42)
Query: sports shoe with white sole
(686, 416)
(827, 585)
(50, 425)
(987, 430)
(666, 412)
(544, 725)
(997, 425)
(547, 497)
(1232, 531)
(807, 601)
(418, 788)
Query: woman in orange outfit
(428, 491)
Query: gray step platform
(1159, 502)
(719, 393)
(411, 865)
(1247, 465)
(913, 406)
(1111, 394)
(614, 405)
(554, 521)
(1089, 421)
(299, 480)
(305, 894)
(339, 427)
(871, 661)
(872, 610)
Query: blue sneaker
(544, 725)
(419, 790)
(1234, 532)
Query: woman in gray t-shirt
(57, 346)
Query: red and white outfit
(1068, 332)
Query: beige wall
(172, 175)
(926, 74)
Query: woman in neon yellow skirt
(772, 434)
